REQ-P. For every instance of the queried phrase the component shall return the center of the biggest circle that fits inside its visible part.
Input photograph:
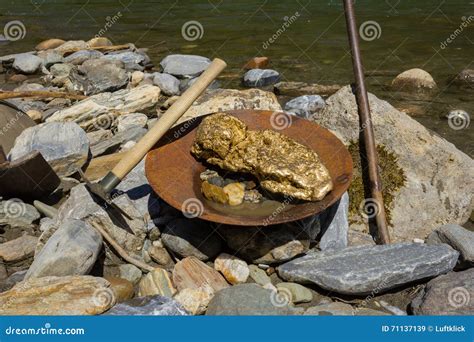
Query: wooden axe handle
(172, 115)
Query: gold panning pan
(173, 172)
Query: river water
(305, 40)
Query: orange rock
(49, 44)
(257, 63)
(122, 288)
(194, 274)
(70, 295)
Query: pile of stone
(56, 262)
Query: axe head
(104, 196)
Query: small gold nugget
(280, 164)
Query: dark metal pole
(366, 122)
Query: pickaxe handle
(114, 177)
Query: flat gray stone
(127, 121)
(335, 225)
(148, 306)
(50, 57)
(305, 106)
(189, 237)
(168, 84)
(27, 63)
(16, 213)
(260, 77)
(449, 294)
(97, 136)
(81, 56)
(457, 237)
(64, 145)
(71, 250)
(101, 75)
(131, 60)
(184, 66)
(365, 269)
(247, 299)
(113, 144)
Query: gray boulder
(131, 60)
(335, 225)
(101, 76)
(247, 299)
(148, 306)
(71, 250)
(183, 66)
(450, 294)
(188, 237)
(168, 84)
(273, 244)
(112, 144)
(27, 63)
(305, 106)
(255, 78)
(184, 84)
(363, 270)
(64, 145)
(128, 232)
(457, 237)
(50, 57)
(81, 56)
(135, 185)
(61, 70)
(416, 166)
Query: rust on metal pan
(173, 172)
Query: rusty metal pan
(173, 172)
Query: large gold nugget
(281, 164)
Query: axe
(103, 188)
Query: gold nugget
(281, 165)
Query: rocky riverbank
(54, 260)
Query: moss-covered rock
(392, 177)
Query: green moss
(393, 178)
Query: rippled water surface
(311, 47)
